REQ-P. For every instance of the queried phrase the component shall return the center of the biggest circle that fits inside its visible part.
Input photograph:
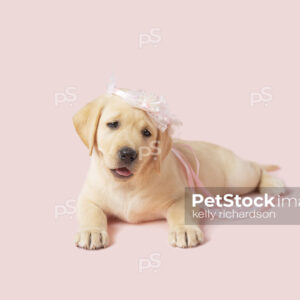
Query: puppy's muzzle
(127, 155)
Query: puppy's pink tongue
(123, 172)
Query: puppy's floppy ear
(164, 144)
(86, 121)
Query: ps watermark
(68, 96)
(151, 263)
(152, 38)
(66, 209)
(152, 150)
(264, 96)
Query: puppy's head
(125, 137)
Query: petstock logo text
(271, 207)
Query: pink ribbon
(192, 177)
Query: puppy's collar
(155, 106)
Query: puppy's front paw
(185, 236)
(91, 240)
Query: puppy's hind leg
(270, 184)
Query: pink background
(212, 55)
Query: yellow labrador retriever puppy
(133, 187)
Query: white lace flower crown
(155, 106)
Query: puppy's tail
(269, 183)
(269, 168)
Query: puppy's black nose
(127, 155)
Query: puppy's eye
(113, 124)
(146, 133)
